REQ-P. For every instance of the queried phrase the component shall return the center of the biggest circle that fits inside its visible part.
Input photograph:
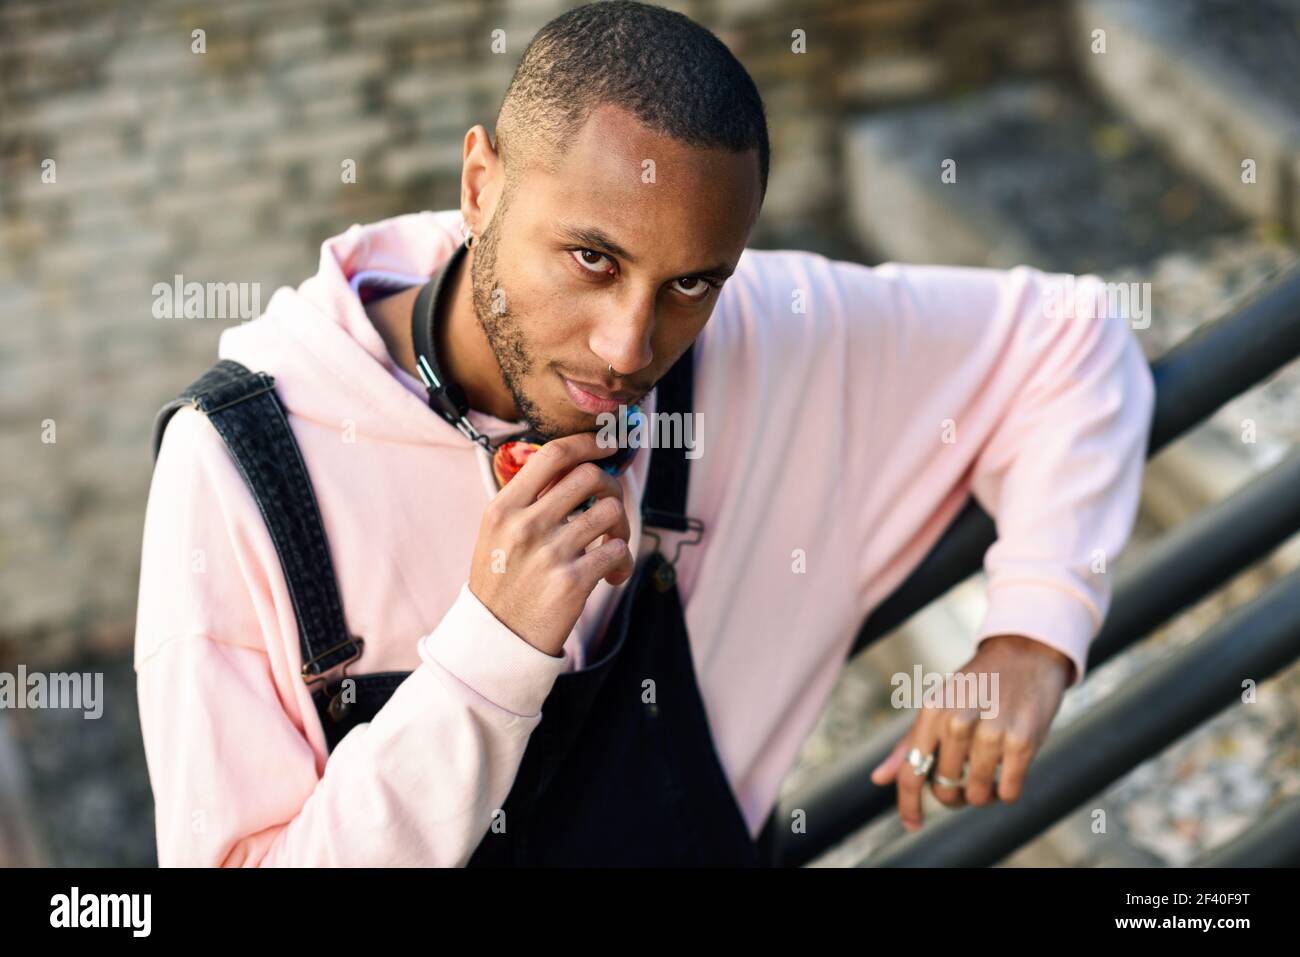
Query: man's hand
(533, 567)
(1031, 680)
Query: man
(629, 683)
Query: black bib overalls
(622, 768)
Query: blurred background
(1089, 136)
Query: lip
(593, 399)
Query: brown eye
(581, 256)
(696, 287)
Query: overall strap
(664, 501)
(244, 409)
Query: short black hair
(674, 75)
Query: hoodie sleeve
(226, 722)
(1002, 384)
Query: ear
(481, 177)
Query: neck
(464, 353)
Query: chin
(574, 422)
(555, 422)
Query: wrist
(1041, 648)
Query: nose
(622, 337)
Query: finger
(986, 753)
(957, 731)
(606, 516)
(887, 770)
(910, 784)
(549, 463)
(1017, 754)
(585, 481)
(610, 560)
(621, 574)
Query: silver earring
(611, 369)
(467, 234)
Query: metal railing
(1218, 362)
(1274, 842)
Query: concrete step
(1035, 174)
(1215, 82)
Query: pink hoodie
(847, 412)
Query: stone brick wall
(225, 166)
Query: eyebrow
(593, 237)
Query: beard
(501, 327)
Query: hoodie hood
(329, 362)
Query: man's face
(557, 303)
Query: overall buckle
(665, 576)
(312, 673)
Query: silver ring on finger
(921, 763)
(944, 782)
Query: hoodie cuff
(1044, 612)
(474, 646)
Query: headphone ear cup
(509, 458)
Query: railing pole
(1273, 842)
